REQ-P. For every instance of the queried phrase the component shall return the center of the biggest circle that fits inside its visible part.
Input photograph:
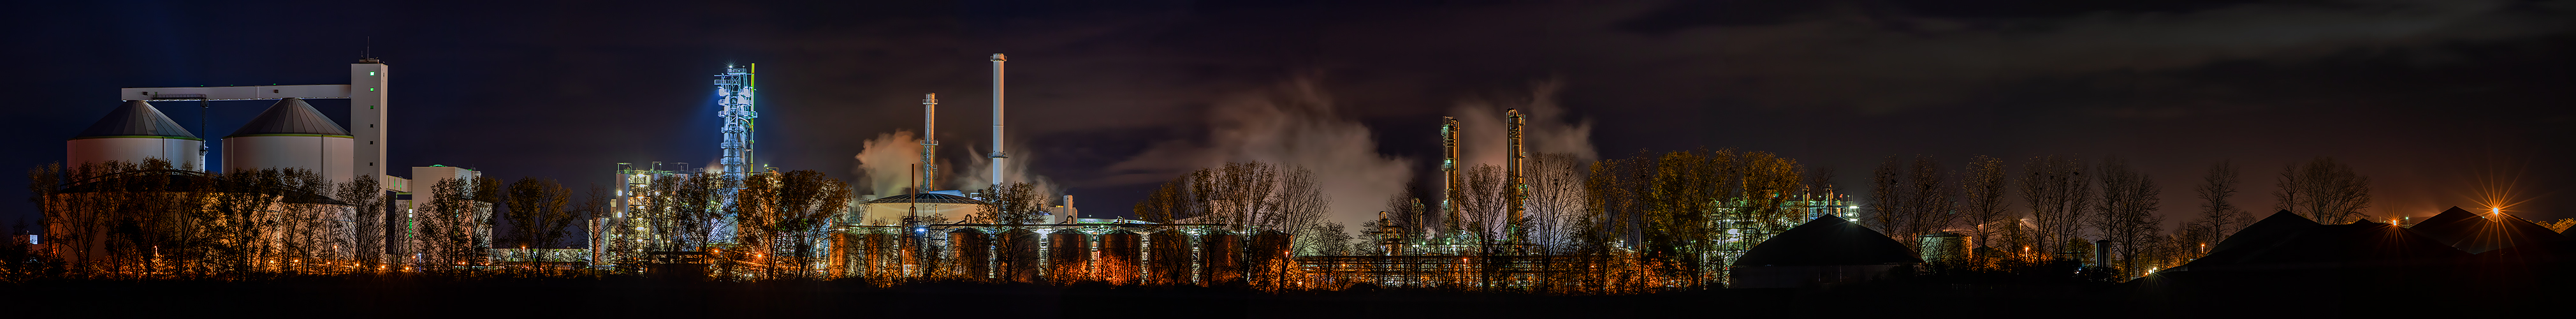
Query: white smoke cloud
(1296, 124)
(1482, 138)
(977, 173)
(886, 162)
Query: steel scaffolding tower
(734, 91)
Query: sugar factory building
(921, 233)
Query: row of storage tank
(289, 134)
(1214, 256)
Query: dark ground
(626, 297)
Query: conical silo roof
(291, 116)
(136, 119)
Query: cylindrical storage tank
(1118, 253)
(1266, 258)
(1220, 258)
(878, 256)
(1171, 257)
(1020, 262)
(1943, 247)
(290, 134)
(133, 133)
(969, 253)
(1068, 255)
(844, 261)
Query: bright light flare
(2497, 186)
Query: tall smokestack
(1513, 169)
(1449, 188)
(929, 140)
(998, 155)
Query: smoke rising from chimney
(1483, 142)
(885, 162)
(1294, 123)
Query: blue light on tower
(734, 90)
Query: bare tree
(2059, 194)
(367, 201)
(538, 211)
(784, 214)
(2324, 190)
(1012, 204)
(2128, 213)
(1912, 200)
(1983, 203)
(2218, 216)
(1555, 198)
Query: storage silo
(133, 132)
(1068, 254)
(1220, 257)
(970, 253)
(1118, 254)
(290, 134)
(1266, 257)
(1020, 262)
(879, 256)
(1171, 257)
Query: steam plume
(886, 162)
(1296, 124)
(1549, 130)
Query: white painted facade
(327, 155)
(182, 153)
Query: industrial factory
(678, 220)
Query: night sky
(2432, 99)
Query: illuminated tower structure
(997, 155)
(1514, 166)
(1449, 187)
(734, 92)
(929, 151)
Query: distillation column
(1450, 187)
(734, 91)
(1514, 166)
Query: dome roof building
(291, 134)
(135, 131)
(889, 210)
(1822, 252)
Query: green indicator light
(371, 89)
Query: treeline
(151, 220)
(2071, 205)
(1647, 222)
